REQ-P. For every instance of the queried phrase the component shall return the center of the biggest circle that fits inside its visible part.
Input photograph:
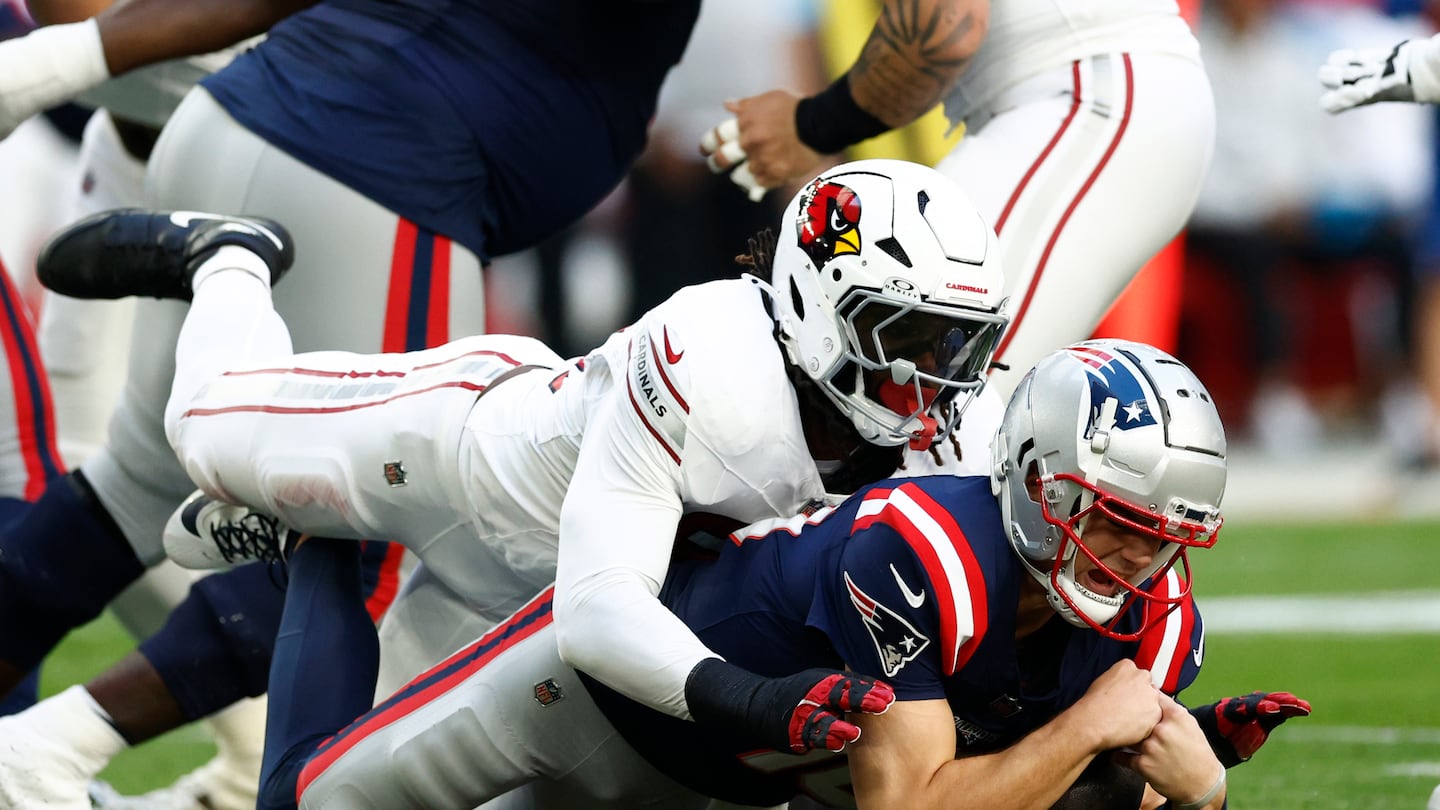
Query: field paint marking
(1358, 735)
(1334, 614)
(1425, 770)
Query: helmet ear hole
(797, 303)
(1032, 482)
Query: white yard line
(1419, 770)
(1338, 614)
(1308, 732)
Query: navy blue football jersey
(492, 122)
(911, 581)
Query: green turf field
(1372, 744)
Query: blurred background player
(407, 240)
(1407, 71)
(84, 343)
(1088, 130)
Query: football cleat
(206, 534)
(132, 251)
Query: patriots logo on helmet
(829, 222)
(1109, 378)
(896, 640)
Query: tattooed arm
(916, 51)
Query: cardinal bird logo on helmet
(829, 223)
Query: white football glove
(723, 141)
(1410, 71)
(48, 66)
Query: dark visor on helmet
(953, 351)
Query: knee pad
(60, 564)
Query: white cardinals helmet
(886, 288)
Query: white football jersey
(688, 411)
(1029, 37)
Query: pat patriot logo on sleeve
(896, 640)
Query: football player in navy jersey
(1029, 622)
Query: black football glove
(1236, 727)
(796, 713)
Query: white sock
(231, 322)
(74, 719)
(231, 257)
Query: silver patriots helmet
(1109, 429)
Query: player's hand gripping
(796, 713)
(759, 148)
(1121, 707)
(1176, 759)
(1237, 726)
(1409, 71)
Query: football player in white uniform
(1089, 127)
(1408, 71)
(494, 459)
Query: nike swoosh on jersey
(1199, 652)
(912, 598)
(671, 356)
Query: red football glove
(1237, 726)
(796, 713)
(817, 720)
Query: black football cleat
(132, 251)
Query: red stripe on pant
(419, 266)
(431, 684)
(30, 391)
(383, 596)
(1040, 267)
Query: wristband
(722, 694)
(831, 120)
(1203, 800)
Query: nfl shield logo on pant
(548, 692)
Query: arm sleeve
(617, 530)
